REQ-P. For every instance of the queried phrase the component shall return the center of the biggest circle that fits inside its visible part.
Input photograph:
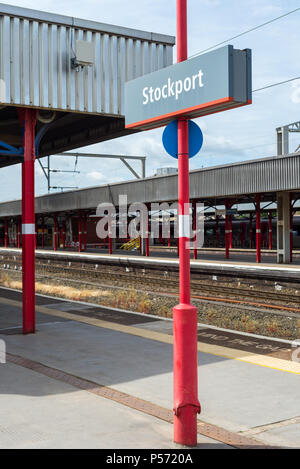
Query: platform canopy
(73, 72)
(239, 182)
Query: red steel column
(194, 227)
(270, 231)
(110, 245)
(230, 231)
(227, 230)
(5, 234)
(28, 221)
(258, 229)
(251, 230)
(110, 248)
(85, 232)
(55, 233)
(291, 227)
(80, 233)
(16, 237)
(186, 404)
(148, 231)
(217, 231)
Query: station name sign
(205, 84)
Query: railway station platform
(211, 263)
(102, 378)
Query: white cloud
(96, 176)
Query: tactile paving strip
(212, 431)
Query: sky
(232, 136)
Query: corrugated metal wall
(35, 66)
(268, 175)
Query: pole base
(186, 403)
(185, 426)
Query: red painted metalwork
(148, 231)
(291, 227)
(85, 232)
(110, 247)
(217, 231)
(227, 229)
(194, 227)
(186, 404)
(5, 234)
(55, 233)
(270, 231)
(230, 231)
(80, 233)
(16, 237)
(258, 229)
(186, 112)
(28, 119)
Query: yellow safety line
(217, 350)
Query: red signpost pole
(186, 404)
(28, 222)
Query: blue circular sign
(170, 139)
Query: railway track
(163, 283)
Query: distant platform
(213, 263)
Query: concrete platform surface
(39, 411)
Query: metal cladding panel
(267, 175)
(264, 176)
(35, 62)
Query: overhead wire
(245, 32)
